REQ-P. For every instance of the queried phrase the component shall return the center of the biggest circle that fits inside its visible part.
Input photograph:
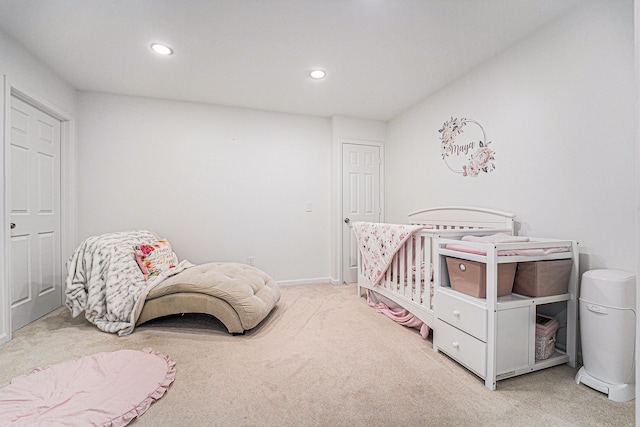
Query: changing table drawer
(462, 314)
(464, 348)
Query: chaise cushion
(248, 290)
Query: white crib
(408, 282)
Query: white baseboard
(304, 281)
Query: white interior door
(361, 200)
(34, 211)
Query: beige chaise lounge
(238, 295)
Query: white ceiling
(381, 56)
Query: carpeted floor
(322, 358)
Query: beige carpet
(323, 358)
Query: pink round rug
(110, 388)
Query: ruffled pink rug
(104, 389)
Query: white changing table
(495, 337)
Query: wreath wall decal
(468, 154)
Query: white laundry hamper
(607, 325)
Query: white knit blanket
(105, 281)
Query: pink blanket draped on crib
(378, 243)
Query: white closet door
(361, 201)
(34, 206)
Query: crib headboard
(456, 217)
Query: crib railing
(409, 274)
(412, 265)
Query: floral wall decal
(468, 154)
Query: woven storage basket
(542, 278)
(470, 277)
(546, 328)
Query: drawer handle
(462, 267)
(456, 313)
(455, 345)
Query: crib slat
(388, 276)
(402, 279)
(428, 250)
(408, 262)
(415, 268)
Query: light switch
(309, 207)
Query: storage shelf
(558, 358)
(508, 301)
(503, 320)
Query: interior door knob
(347, 220)
(13, 225)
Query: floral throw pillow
(155, 258)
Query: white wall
(636, 22)
(222, 184)
(559, 109)
(28, 71)
(33, 77)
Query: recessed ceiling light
(161, 49)
(318, 74)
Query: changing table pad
(503, 238)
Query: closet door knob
(456, 313)
(347, 220)
(13, 225)
(455, 345)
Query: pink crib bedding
(379, 242)
(398, 314)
